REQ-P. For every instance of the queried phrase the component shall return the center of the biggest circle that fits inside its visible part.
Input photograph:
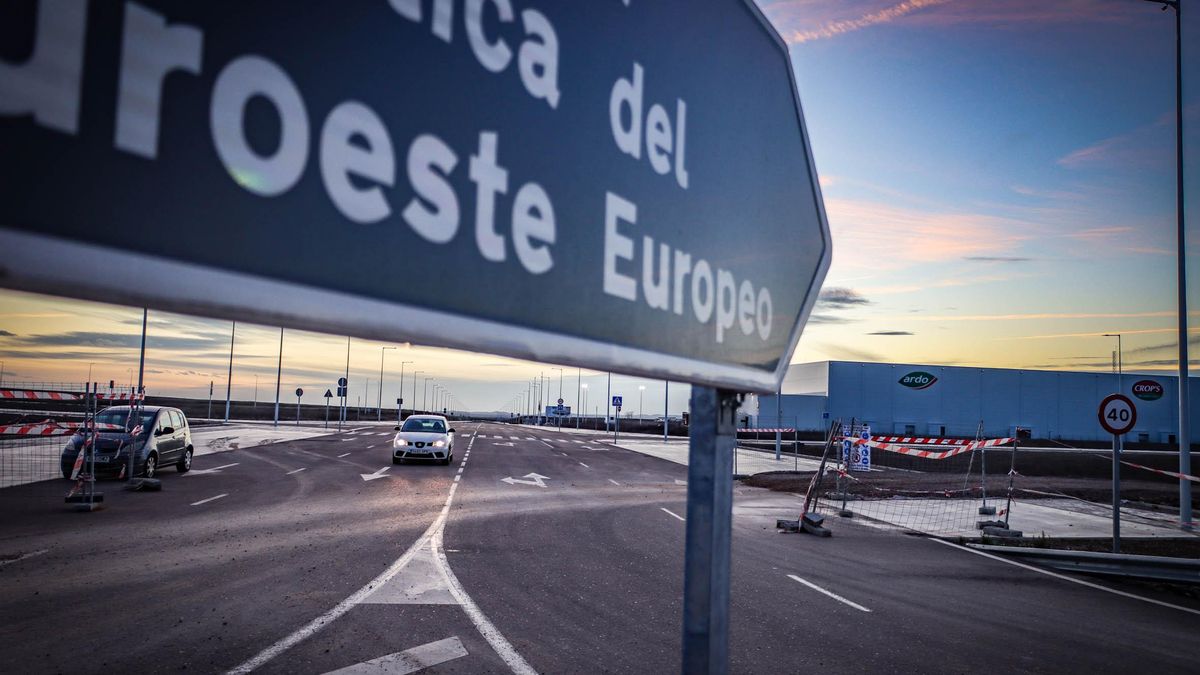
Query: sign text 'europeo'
(613, 185)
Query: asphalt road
(292, 558)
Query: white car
(426, 437)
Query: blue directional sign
(617, 401)
(641, 167)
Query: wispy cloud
(891, 332)
(835, 296)
(875, 17)
(5, 333)
(997, 258)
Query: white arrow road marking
(835, 596)
(377, 474)
(409, 660)
(537, 480)
(215, 469)
(210, 499)
(672, 514)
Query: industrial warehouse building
(921, 400)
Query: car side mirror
(397, 427)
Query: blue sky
(999, 180)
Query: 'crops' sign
(1147, 390)
(918, 380)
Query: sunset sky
(998, 176)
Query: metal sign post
(712, 436)
(299, 393)
(328, 395)
(1117, 415)
(399, 411)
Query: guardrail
(1184, 570)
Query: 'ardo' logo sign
(1147, 390)
(918, 380)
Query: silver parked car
(426, 437)
(158, 436)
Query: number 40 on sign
(1117, 414)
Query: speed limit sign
(1117, 414)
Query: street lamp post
(666, 408)
(425, 395)
(255, 406)
(400, 406)
(414, 398)
(583, 410)
(641, 398)
(578, 390)
(379, 412)
(1185, 443)
(1116, 459)
(229, 378)
(279, 376)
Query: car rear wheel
(185, 463)
(151, 466)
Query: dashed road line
(831, 594)
(303, 468)
(343, 455)
(614, 482)
(583, 465)
(210, 499)
(671, 513)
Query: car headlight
(401, 442)
(438, 444)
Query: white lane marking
(210, 499)
(537, 480)
(835, 596)
(432, 536)
(343, 455)
(376, 475)
(584, 465)
(296, 471)
(1064, 577)
(409, 660)
(458, 478)
(385, 433)
(370, 446)
(486, 628)
(347, 439)
(215, 469)
(531, 438)
(614, 482)
(577, 441)
(671, 513)
(517, 438)
(23, 556)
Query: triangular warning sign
(328, 394)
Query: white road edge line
(303, 468)
(432, 535)
(210, 499)
(584, 465)
(835, 596)
(343, 455)
(23, 556)
(1064, 577)
(671, 513)
(614, 482)
(410, 660)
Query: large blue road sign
(422, 170)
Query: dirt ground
(887, 484)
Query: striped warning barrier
(1173, 474)
(28, 395)
(932, 454)
(786, 430)
(50, 428)
(120, 397)
(910, 440)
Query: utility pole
(666, 408)
(346, 398)
(400, 405)
(608, 403)
(382, 351)
(578, 393)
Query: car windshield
(121, 417)
(429, 426)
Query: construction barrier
(51, 428)
(787, 430)
(932, 454)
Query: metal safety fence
(28, 459)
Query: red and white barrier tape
(1173, 474)
(39, 395)
(932, 454)
(910, 440)
(120, 397)
(786, 430)
(50, 428)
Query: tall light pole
(379, 415)
(256, 391)
(1185, 442)
(666, 408)
(89, 372)
(641, 399)
(414, 398)
(279, 376)
(585, 393)
(1120, 360)
(342, 417)
(578, 391)
(400, 406)
(229, 378)
(608, 402)
(425, 395)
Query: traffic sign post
(1117, 415)
(328, 396)
(399, 411)
(299, 393)
(636, 146)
